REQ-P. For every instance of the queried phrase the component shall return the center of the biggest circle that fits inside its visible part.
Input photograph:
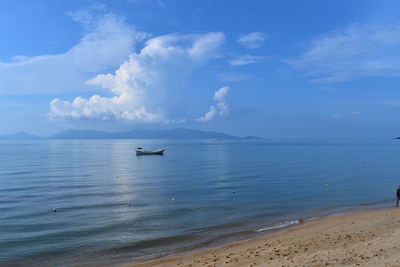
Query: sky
(275, 69)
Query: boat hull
(140, 152)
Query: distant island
(19, 136)
(177, 133)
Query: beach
(367, 238)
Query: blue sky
(303, 68)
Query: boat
(141, 151)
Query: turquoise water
(114, 207)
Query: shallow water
(113, 206)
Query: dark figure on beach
(398, 196)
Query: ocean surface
(67, 202)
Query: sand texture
(369, 238)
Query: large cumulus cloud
(151, 86)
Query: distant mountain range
(19, 135)
(178, 133)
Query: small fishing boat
(141, 151)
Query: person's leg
(397, 204)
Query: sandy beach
(368, 238)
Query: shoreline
(258, 230)
(362, 238)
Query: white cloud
(221, 94)
(220, 109)
(356, 51)
(151, 86)
(107, 42)
(252, 40)
(245, 60)
(342, 115)
(208, 115)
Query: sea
(94, 202)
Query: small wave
(278, 226)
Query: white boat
(141, 151)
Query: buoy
(54, 210)
(233, 192)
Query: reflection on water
(112, 206)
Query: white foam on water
(279, 225)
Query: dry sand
(369, 238)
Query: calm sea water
(115, 207)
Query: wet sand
(369, 238)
